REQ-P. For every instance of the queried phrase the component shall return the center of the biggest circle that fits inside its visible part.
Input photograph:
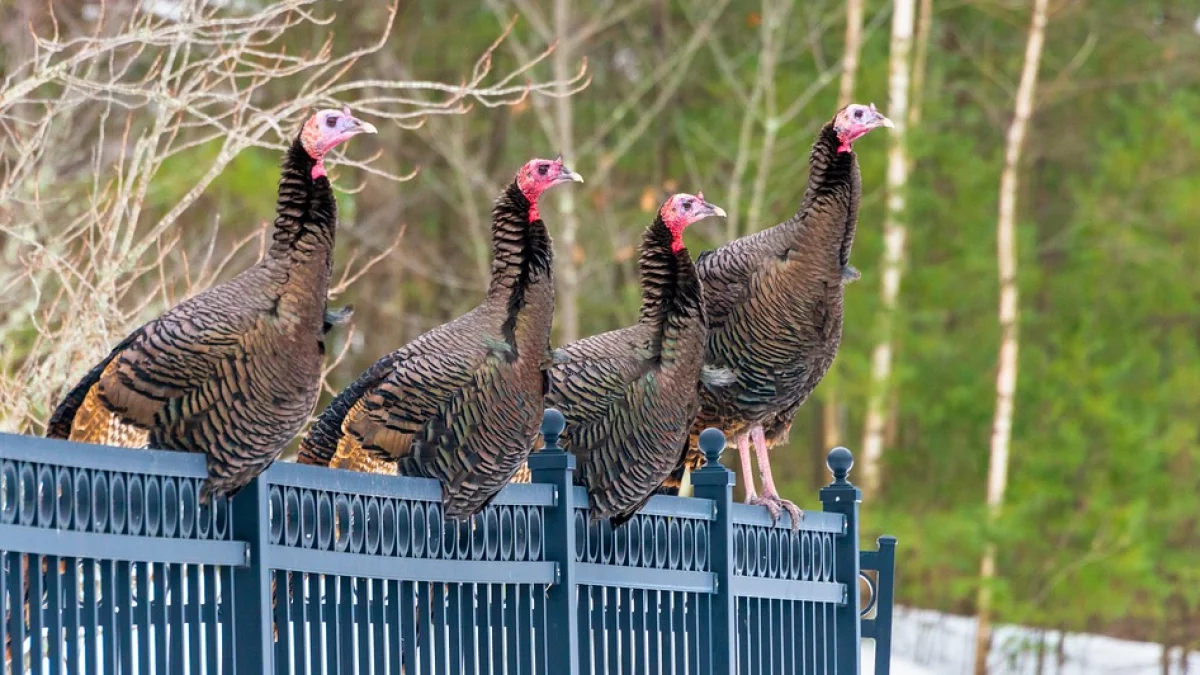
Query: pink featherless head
(327, 129)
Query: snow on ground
(930, 643)
(900, 665)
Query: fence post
(884, 604)
(842, 497)
(555, 466)
(250, 518)
(715, 482)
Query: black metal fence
(110, 565)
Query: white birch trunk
(854, 27)
(920, 59)
(831, 422)
(567, 298)
(894, 235)
(1006, 371)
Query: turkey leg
(743, 443)
(770, 496)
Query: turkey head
(327, 129)
(682, 210)
(855, 121)
(539, 175)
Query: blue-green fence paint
(110, 565)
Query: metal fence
(110, 565)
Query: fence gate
(109, 564)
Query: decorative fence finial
(839, 462)
(712, 443)
(553, 424)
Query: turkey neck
(671, 298)
(522, 257)
(828, 215)
(301, 253)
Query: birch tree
(920, 61)
(852, 50)
(1009, 313)
(894, 235)
(831, 407)
(568, 275)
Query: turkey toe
(776, 505)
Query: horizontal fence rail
(109, 564)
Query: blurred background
(107, 216)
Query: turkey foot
(743, 443)
(776, 505)
(770, 497)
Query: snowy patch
(942, 644)
(900, 665)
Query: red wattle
(675, 225)
(318, 170)
(533, 212)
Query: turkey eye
(331, 121)
(858, 114)
(542, 168)
(687, 206)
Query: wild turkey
(462, 402)
(235, 371)
(774, 302)
(630, 395)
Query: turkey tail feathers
(64, 415)
(321, 442)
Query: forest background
(1099, 521)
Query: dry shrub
(92, 115)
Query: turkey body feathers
(629, 396)
(774, 302)
(462, 402)
(233, 372)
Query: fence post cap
(551, 456)
(712, 443)
(553, 424)
(840, 461)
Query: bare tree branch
(89, 120)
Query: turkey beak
(351, 125)
(879, 120)
(358, 126)
(713, 210)
(568, 176)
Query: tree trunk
(1006, 371)
(831, 423)
(920, 59)
(568, 268)
(831, 403)
(1040, 668)
(854, 27)
(894, 235)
